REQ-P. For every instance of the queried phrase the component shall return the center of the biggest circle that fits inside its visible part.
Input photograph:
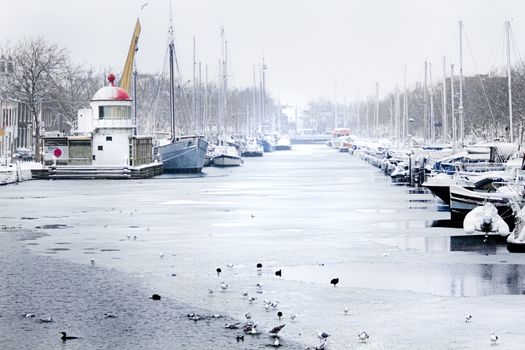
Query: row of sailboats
(482, 183)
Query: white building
(106, 134)
(109, 120)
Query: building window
(109, 138)
(114, 112)
(100, 148)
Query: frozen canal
(312, 213)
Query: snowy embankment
(17, 172)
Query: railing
(113, 123)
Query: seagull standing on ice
(363, 336)
(224, 286)
(493, 339)
(252, 299)
(345, 310)
(275, 330)
(232, 325)
(92, 261)
(210, 291)
(219, 270)
(468, 317)
(292, 317)
(322, 335)
(244, 294)
(334, 281)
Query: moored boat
(183, 155)
(252, 149)
(225, 156)
(283, 144)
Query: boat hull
(516, 247)
(183, 156)
(267, 146)
(442, 192)
(226, 161)
(252, 154)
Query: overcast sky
(307, 44)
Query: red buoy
(111, 78)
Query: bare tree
(74, 90)
(37, 68)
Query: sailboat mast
(194, 90)
(220, 101)
(344, 111)
(391, 108)
(397, 117)
(376, 111)
(367, 118)
(509, 81)
(358, 116)
(460, 107)
(200, 115)
(172, 90)
(335, 104)
(432, 130)
(405, 106)
(444, 108)
(263, 93)
(225, 72)
(206, 122)
(452, 107)
(425, 106)
(254, 100)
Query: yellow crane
(125, 81)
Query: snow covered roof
(111, 92)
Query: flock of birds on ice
(249, 327)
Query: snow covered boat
(252, 149)
(226, 156)
(283, 144)
(463, 200)
(486, 220)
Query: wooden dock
(88, 172)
